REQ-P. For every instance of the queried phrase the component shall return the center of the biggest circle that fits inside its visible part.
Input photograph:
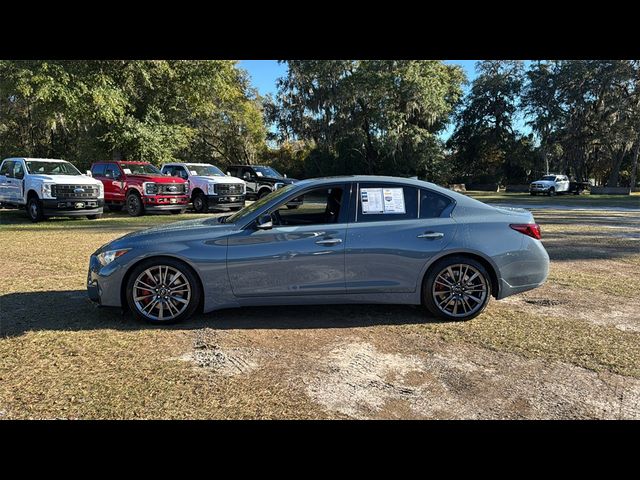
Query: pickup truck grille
(230, 189)
(171, 188)
(74, 191)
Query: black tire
(115, 208)
(135, 208)
(264, 192)
(94, 217)
(551, 192)
(292, 207)
(200, 203)
(35, 210)
(188, 274)
(440, 267)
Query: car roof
(28, 159)
(188, 163)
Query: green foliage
(376, 117)
(145, 110)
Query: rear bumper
(528, 270)
(72, 207)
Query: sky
(265, 72)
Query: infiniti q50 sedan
(359, 239)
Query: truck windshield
(206, 170)
(241, 214)
(551, 178)
(35, 167)
(140, 169)
(268, 172)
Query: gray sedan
(361, 239)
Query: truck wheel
(264, 192)
(134, 205)
(200, 204)
(94, 217)
(551, 192)
(34, 209)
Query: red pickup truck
(140, 187)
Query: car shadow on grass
(71, 310)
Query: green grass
(585, 200)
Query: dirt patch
(545, 302)
(207, 353)
(464, 381)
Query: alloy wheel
(459, 290)
(161, 293)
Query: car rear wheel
(163, 291)
(457, 288)
(200, 204)
(134, 205)
(34, 209)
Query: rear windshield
(35, 167)
(139, 169)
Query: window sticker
(193, 172)
(127, 171)
(382, 200)
(259, 174)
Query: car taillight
(531, 229)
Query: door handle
(431, 235)
(329, 241)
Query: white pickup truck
(551, 184)
(49, 187)
(209, 187)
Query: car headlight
(105, 258)
(100, 190)
(47, 190)
(150, 188)
(211, 188)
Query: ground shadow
(72, 311)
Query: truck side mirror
(285, 175)
(264, 222)
(247, 176)
(89, 174)
(229, 174)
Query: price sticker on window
(382, 200)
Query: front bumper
(103, 283)
(226, 200)
(539, 189)
(159, 203)
(73, 207)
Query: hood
(286, 181)
(209, 228)
(70, 179)
(155, 178)
(544, 182)
(217, 179)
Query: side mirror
(264, 222)
(89, 174)
(247, 176)
(285, 175)
(229, 174)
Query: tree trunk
(615, 173)
(634, 161)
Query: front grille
(171, 188)
(230, 189)
(74, 191)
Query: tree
(367, 116)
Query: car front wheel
(457, 288)
(162, 291)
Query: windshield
(268, 172)
(551, 178)
(139, 169)
(205, 170)
(241, 214)
(51, 168)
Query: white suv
(209, 187)
(550, 184)
(49, 187)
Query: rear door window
(432, 204)
(379, 202)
